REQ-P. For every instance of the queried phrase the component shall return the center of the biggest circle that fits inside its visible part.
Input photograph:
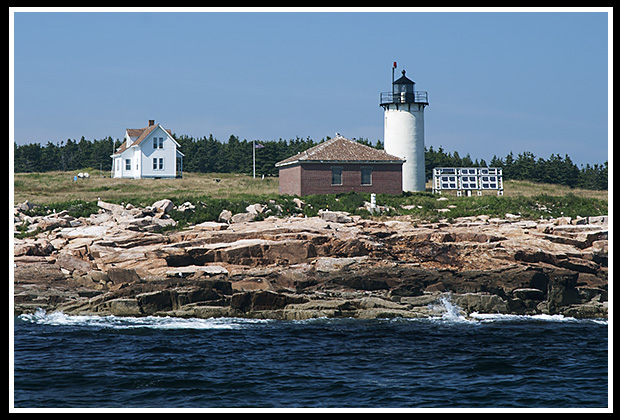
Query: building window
(128, 164)
(158, 142)
(161, 163)
(154, 163)
(158, 163)
(366, 176)
(336, 175)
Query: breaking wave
(448, 313)
(155, 322)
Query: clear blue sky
(496, 81)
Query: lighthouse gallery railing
(419, 97)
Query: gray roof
(404, 80)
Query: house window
(128, 164)
(366, 176)
(158, 142)
(158, 163)
(336, 175)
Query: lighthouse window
(336, 175)
(366, 176)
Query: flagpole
(254, 159)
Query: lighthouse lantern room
(404, 128)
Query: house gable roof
(340, 149)
(142, 134)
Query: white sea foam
(447, 313)
(116, 322)
(452, 313)
(510, 317)
(538, 317)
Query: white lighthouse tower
(403, 126)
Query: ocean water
(489, 361)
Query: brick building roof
(340, 149)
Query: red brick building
(341, 165)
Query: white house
(149, 152)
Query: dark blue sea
(487, 361)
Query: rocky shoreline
(120, 262)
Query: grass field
(54, 187)
(58, 190)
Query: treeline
(207, 154)
(526, 166)
(65, 156)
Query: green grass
(528, 207)
(211, 193)
(54, 187)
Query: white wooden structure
(466, 180)
(149, 152)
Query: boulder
(36, 270)
(121, 307)
(73, 264)
(94, 231)
(335, 216)
(598, 220)
(242, 218)
(25, 206)
(152, 302)
(50, 223)
(562, 290)
(587, 310)
(212, 225)
(114, 208)
(225, 216)
(481, 302)
(186, 206)
(329, 264)
(261, 300)
(192, 294)
(163, 206)
(255, 208)
(40, 247)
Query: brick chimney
(151, 122)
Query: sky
(497, 82)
